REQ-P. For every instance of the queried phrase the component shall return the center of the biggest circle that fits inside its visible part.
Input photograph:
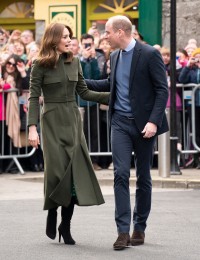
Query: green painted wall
(150, 21)
(83, 16)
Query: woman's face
(63, 45)
(19, 48)
(181, 56)
(11, 65)
(105, 46)
(166, 58)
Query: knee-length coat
(66, 156)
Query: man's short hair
(87, 36)
(121, 22)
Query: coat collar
(136, 55)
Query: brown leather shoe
(122, 241)
(137, 238)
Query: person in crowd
(93, 30)
(27, 37)
(191, 74)
(182, 57)
(91, 70)
(74, 46)
(105, 161)
(19, 49)
(14, 67)
(191, 46)
(3, 127)
(35, 162)
(157, 47)
(12, 74)
(138, 98)
(137, 35)
(15, 35)
(32, 55)
(165, 52)
(69, 177)
(3, 38)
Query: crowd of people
(19, 49)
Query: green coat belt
(66, 156)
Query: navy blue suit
(148, 93)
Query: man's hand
(149, 130)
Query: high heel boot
(51, 223)
(64, 228)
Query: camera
(87, 45)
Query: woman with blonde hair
(68, 174)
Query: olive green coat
(66, 156)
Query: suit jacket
(148, 89)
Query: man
(27, 37)
(74, 46)
(138, 98)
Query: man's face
(26, 37)
(87, 43)
(112, 36)
(74, 46)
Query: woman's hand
(21, 68)
(33, 136)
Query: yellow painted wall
(41, 11)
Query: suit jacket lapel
(114, 67)
(136, 55)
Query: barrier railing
(14, 133)
(96, 128)
(189, 145)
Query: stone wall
(187, 24)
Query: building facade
(151, 17)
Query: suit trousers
(126, 138)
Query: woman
(20, 49)
(15, 68)
(13, 72)
(3, 130)
(69, 176)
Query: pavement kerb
(105, 178)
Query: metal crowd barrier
(100, 119)
(189, 145)
(11, 146)
(189, 123)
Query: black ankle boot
(64, 228)
(64, 231)
(51, 223)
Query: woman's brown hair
(15, 74)
(48, 54)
